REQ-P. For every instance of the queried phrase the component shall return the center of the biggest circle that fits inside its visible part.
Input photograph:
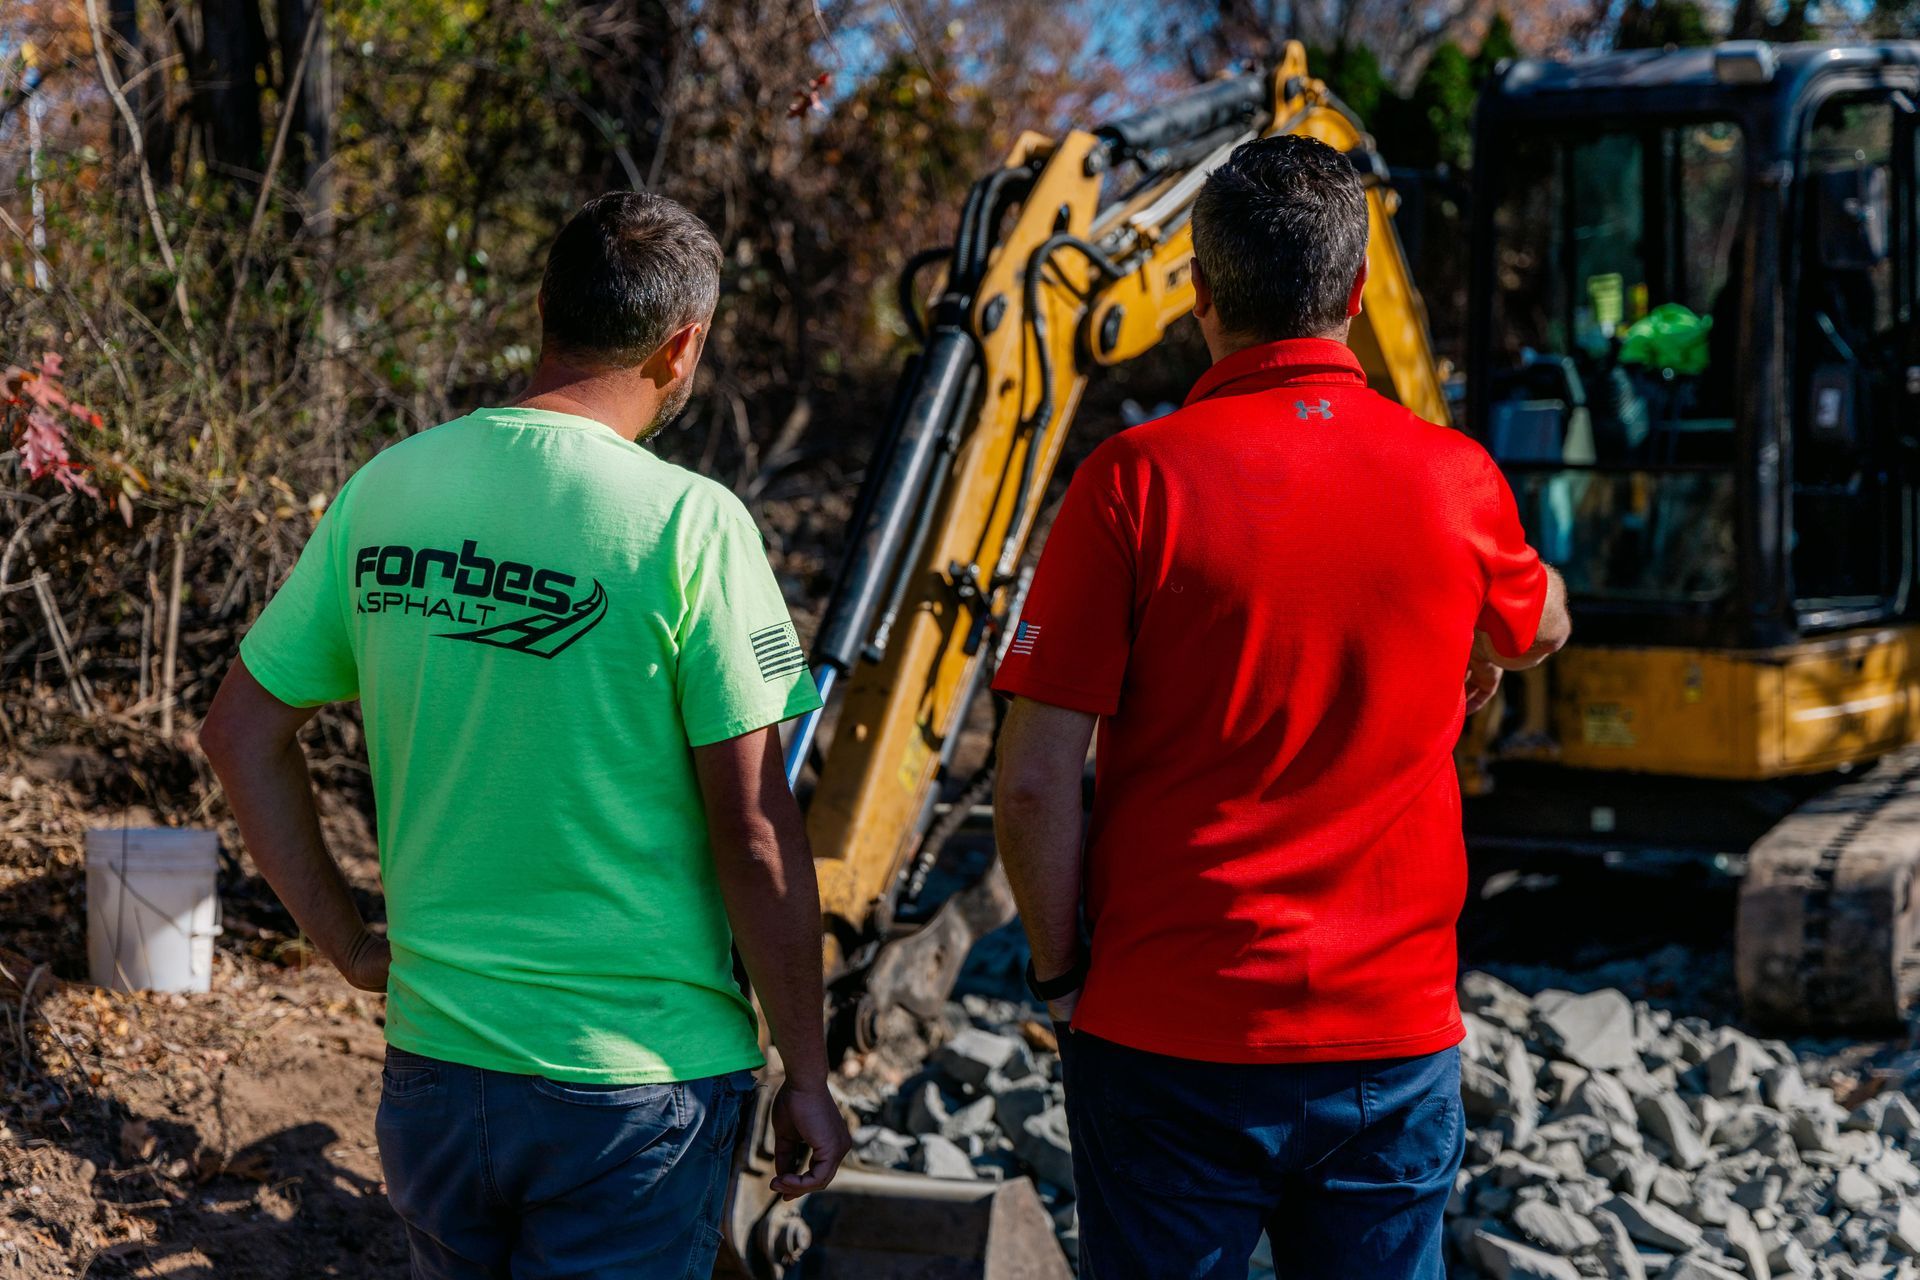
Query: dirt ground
(228, 1134)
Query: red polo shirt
(1269, 597)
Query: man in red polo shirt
(1266, 602)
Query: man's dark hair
(625, 273)
(1280, 230)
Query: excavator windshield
(1616, 313)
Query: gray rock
(1587, 1134)
(927, 1109)
(1692, 1268)
(1855, 1190)
(1558, 1080)
(1553, 1228)
(1889, 1114)
(1666, 1117)
(1594, 1030)
(1904, 1233)
(1789, 1258)
(1654, 1225)
(1014, 1106)
(1670, 1187)
(1485, 1092)
(1711, 1202)
(881, 1148)
(1735, 1066)
(1602, 1096)
(1762, 1192)
(1745, 1126)
(973, 1055)
(1042, 1143)
(970, 1121)
(1494, 1000)
(1505, 1259)
(1616, 1252)
(1628, 1172)
(1783, 1086)
(1747, 1247)
(938, 1158)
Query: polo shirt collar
(1273, 364)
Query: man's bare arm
(1556, 626)
(252, 740)
(765, 869)
(1037, 823)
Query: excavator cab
(1693, 350)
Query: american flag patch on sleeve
(1024, 637)
(777, 651)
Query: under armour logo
(1323, 409)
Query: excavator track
(1829, 919)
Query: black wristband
(1064, 985)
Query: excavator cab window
(1853, 343)
(1617, 316)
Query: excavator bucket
(881, 1225)
(898, 1226)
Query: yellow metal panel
(1799, 708)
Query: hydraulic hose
(1043, 412)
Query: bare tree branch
(139, 148)
(315, 21)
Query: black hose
(1043, 412)
(908, 296)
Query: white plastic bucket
(152, 909)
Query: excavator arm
(1076, 254)
(1083, 275)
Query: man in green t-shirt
(570, 658)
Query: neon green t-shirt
(541, 620)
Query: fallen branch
(62, 643)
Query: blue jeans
(1179, 1165)
(498, 1175)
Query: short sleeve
(741, 664)
(1070, 646)
(299, 648)
(1516, 580)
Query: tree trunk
(232, 53)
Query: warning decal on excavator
(1607, 724)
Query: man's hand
(1483, 678)
(810, 1140)
(367, 962)
(252, 740)
(1061, 1010)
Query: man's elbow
(1556, 623)
(1027, 787)
(1553, 635)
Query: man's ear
(679, 354)
(1359, 287)
(1202, 291)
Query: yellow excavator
(1072, 256)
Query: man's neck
(622, 402)
(1220, 345)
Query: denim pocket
(1414, 1118)
(407, 1075)
(668, 1097)
(1144, 1117)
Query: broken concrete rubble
(1606, 1141)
